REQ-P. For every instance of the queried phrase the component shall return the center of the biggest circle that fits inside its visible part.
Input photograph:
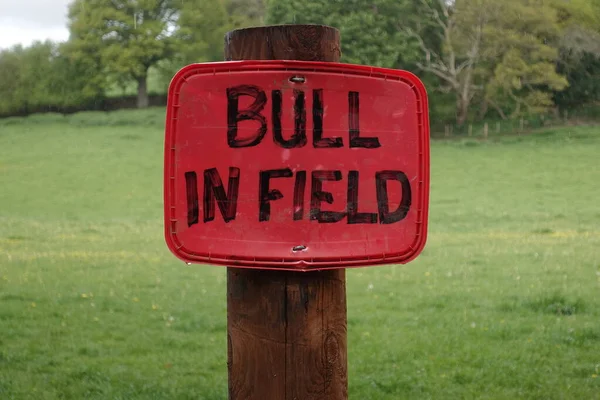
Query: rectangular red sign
(296, 165)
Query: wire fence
(488, 128)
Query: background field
(504, 303)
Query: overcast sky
(23, 21)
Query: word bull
(298, 139)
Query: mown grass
(502, 304)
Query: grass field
(504, 302)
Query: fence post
(521, 125)
(485, 130)
(286, 331)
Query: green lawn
(504, 302)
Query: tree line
(478, 58)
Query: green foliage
(11, 96)
(579, 52)
(79, 74)
(244, 13)
(157, 83)
(501, 54)
(371, 34)
(582, 13)
(129, 36)
(42, 77)
(202, 27)
(520, 49)
(584, 84)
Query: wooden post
(470, 129)
(485, 130)
(286, 331)
(521, 125)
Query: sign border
(293, 264)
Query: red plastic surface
(304, 220)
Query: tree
(244, 13)
(202, 27)
(42, 78)
(370, 33)
(11, 94)
(495, 51)
(81, 73)
(522, 51)
(584, 85)
(579, 49)
(129, 36)
(460, 29)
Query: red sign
(296, 165)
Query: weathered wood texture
(286, 331)
(284, 42)
(286, 335)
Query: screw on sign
(266, 170)
(288, 172)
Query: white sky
(24, 21)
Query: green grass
(504, 302)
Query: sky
(24, 21)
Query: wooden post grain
(286, 331)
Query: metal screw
(297, 79)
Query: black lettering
(191, 188)
(318, 195)
(299, 188)
(299, 119)
(354, 126)
(213, 188)
(385, 216)
(266, 195)
(235, 116)
(276, 117)
(298, 139)
(319, 141)
(354, 217)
